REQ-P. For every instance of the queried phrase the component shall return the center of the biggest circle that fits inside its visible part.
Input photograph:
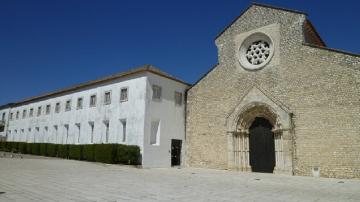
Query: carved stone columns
(240, 152)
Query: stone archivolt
(257, 104)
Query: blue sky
(48, 45)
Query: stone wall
(320, 87)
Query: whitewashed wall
(4, 122)
(172, 121)
(138, 112)
(132, 110)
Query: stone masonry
(314, 92)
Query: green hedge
(88, 152)
(128, 154)
(2, 146)
(22, 147)
(29, 148)
(63, 151)
(75, 152)
(35, 149)
(43, 147)
(52, 150)
(9, 146)
(105, 153)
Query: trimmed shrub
(9, 146)
(43, 147)
(29, 148)
(63, 151)
(75, 152)
(88, 152)
(35, 149)
(22, 147)
(128, 154)
(105, 153)
(52, 150)
(2, 146)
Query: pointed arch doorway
(242, 122)
(262, 146)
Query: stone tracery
(258, 52)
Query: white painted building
(143, 107)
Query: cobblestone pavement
(51, 179)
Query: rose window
(258, 52)
(255, 51)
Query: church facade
(278, 101)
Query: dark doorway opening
(175, 152)
(262, 146)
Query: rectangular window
(3, 116)
(107, 98)
(48, 108)
(123, 94)
(91, 124)
(24, 114)
(79, 104)
(11, 116)
(31, 113)
(56, 134)
(156, 92)
(178, 98)
(106, 123)
(123, 124)
(17, 114)
(39, 111)
(57, 107)
(66, 126)
(155, 133)
(78, 125)
(92, 101)
(68, 105)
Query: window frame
(123, 123)
(82, 103)
(47, 109)
(156, 87)
(181, 98)
(39, 111)
(158, 133)
(90, 101)
(57, 107)
(107, 102)
(127, 94)
(31, 112)
(24, 114)
(68, 105)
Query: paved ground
(50, 179)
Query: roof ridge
(72, 88)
